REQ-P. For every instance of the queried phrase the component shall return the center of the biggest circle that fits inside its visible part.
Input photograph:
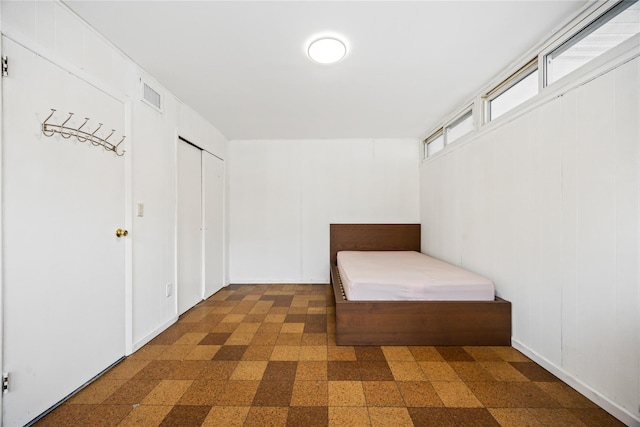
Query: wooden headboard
(373, 237)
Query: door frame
(180, 136)
(81, 74)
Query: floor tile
(382, 393)
(97, 392)
(310, 393)
(237, 393)
(249, 370)
(313, 338)
(145, 416)
(473, 417)
(266, 417)
(313, 416)
(384, 417)
(419, 394)
(273, 393)
(202, 352)
(565, 395)
(285, 352)
(426, 354)
(202, 392)
(366, 352)
(185, 416)
(218, 370)
(289, 339)
(350, 416)
(439, 371)
(512, 395)
(230, 352)
(168, 392)
(534, 372)
(311, 370)
(341, 353)
(346, 393)
(132, 392)
(397, 353)
(407, 371)
(439, 417)
(343, 371)
(317, 353)
(556, 417)
(595, 417)
(67, 415)
(216, 338)
(280, 371)
(258, 352)
(503, 371)
(107, 415)
(375, 371)
(454, 354)
(456, 394)
(515, 417)
(471, 371)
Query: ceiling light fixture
(327, 50)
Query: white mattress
(408, 275)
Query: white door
(63, 265)
(213, 182)
(190, 250)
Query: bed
(416, 322)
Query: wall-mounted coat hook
(50, 129)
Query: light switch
(140, 209)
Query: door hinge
(5, 66)
(5, 382)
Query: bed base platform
(409, 322)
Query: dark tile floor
(265, 355)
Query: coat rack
(49, 129)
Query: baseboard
(590, 393)
(151, 335)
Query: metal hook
(107, 138)
(121, 141)
(44, 125)
(66, 135)
(93, 135)
(78, 132)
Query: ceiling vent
(151, 96)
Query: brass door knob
(120, 232)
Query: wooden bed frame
(409, 322)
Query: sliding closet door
(213, 174)
(190, 243)
(63, 265)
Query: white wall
(284, 195)
(51, 30)
(547, 206)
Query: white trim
(128, 220)
(1, 226)
(590, 393)
(154, 333)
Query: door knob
(120, 232)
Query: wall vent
(151, 96)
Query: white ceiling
(243, 65)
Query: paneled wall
(51, 30)
(547, 206)
(284, 195)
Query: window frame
(506, 84)
(586, 28)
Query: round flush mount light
(327, 50)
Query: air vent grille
(151, 96)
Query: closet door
(190, 242)
(63, 265)
(213, 180)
